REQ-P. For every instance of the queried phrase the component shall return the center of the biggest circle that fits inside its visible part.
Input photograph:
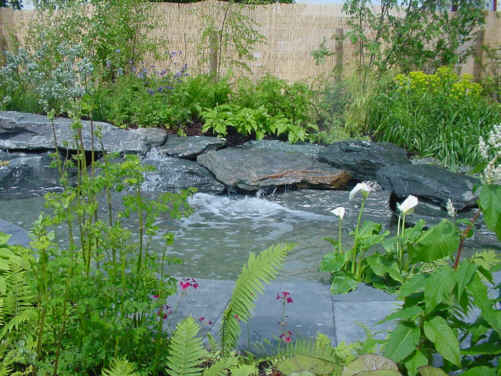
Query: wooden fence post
(339, 53)
(478, 55)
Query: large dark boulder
(173, 174)
(250, 170)
(23, 131)
(430, 183)
(363, 158)
(24, 175)
(190, 147)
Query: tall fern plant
(186, 352)
(260, 269)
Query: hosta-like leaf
(343, 284)
(431, 371)
(371, 363)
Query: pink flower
(184, 285)
(285, 297)
(156, 296)
(195, 285)
(201, 319)
(210, 322)
(286, 336)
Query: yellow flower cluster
(445, 82)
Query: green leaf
(403, 342)
(463, 276)
(332, 262)
(438, 242)
(343, 284)
(444, 339)
(439, 287)
(413, 285)
(483, 349)
(431, 371)
(405, 314)
(490, 203)
(480, 371)
(480, 297)
(416, 361)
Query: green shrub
(441, 115)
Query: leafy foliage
(441, 115)
(259, 269)
(120, 367)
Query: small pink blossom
(201, 319)
(285, 296)
(184, 285)
(156, 296)
(286, 336)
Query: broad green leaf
(383, 372)
(343, 284)
(483, 349)
(416, 361)
(439, 287)
(369, 363)
(490, 203)
(480, 371)
(431, 371)
(479, 292)
(332, 262)
(410, 313)
(444, 339)
(403, 342)
(463, 275)
(413, 285)
(440, 241)
(382, 266)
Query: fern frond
(221, 366)
(244, 370)
(120, 367)
(186, 350)
(259, 269)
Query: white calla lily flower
(360, 187)
(339, 212)
(408, 205)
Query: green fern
(259, 269)
(120, 367)
(220, 367)
(186, 350)
(244, 370)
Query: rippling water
(216, 239)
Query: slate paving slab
(19, 236)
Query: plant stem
(354, 265)
(464, 234)
(339, 236)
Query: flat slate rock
(310, 150)
(430, 183)
(251, 170)
(190, 147)
(173, 174)
(362, 159)
(24, 131)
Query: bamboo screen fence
(291, 31)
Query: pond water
(216, 239)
